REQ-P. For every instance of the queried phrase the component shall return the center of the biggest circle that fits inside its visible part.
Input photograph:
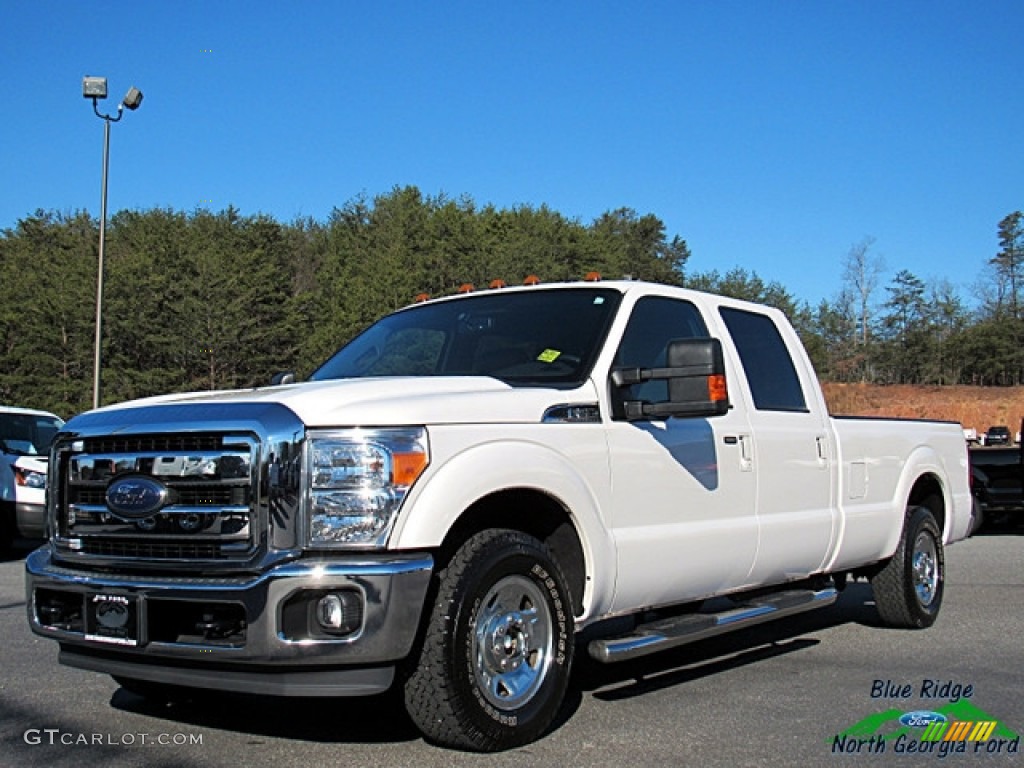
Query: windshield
(27, 434)
(540, 337)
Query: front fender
(442, 495)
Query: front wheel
(908, 590)
(495, 658)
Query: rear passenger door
(793, 449)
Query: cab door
(793, 450)
(683, 489)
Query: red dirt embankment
(977, 407)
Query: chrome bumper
(270, 653)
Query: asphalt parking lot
(806, 691)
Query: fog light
(339, 612)
(331, 612)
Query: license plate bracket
(112, 618)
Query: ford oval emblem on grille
(135, 496)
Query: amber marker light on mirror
(717, 391)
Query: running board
(679, 630)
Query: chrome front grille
(208, 506)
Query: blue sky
(770, 135)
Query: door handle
(745, 442)
(746, 453)
(821, 442)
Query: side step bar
(679, 630)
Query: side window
(773, 380)
(655, 322)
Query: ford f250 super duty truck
(474, 487)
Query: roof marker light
(593, 277)
(466, 288)
(497, 283)
(531, 280)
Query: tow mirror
(695, 374)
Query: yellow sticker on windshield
(548, 355)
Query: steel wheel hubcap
(512, 642)
(925, 564)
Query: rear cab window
(772, 377)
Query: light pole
(95, 88)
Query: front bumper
(258, 633)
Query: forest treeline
(213, 300)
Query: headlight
(357, 480)
(29, 478)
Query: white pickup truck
(467, 486)
(25, 436)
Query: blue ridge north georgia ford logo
(135, 496)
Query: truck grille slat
(149, 443)
(138, 550)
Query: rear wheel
(908, 590)
(495, 658)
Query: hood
(32, 463)
(394, 401)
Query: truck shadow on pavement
(381, 719)
(364, 720)
(612, 682)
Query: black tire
(908, 590)
(494, 661)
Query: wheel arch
(929, 491)
(535, 513)
(926, 483)
(519, 486)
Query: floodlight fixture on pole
(95, 88)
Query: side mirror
(696, 382)
(284, 377)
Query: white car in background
(25, 437)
